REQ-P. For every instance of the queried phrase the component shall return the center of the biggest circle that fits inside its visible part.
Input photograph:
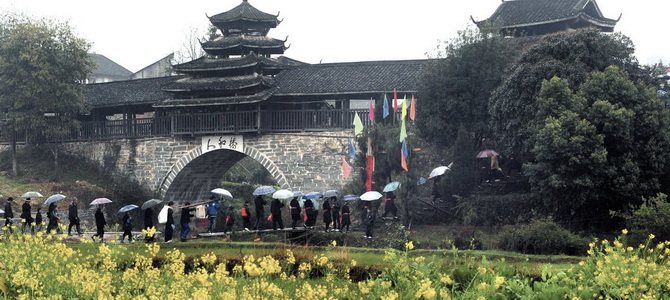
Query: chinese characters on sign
(218, 142)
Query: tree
(456, 86)
(570, 55)
(600, 149)
(463, 175)
(43, 66)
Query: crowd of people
(335, 216)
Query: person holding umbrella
(294, 207)
(185, 221)
(127, 226)
(275, 210)
(100, 223)
(26, 216)
(259, 203)
(369, 221)
(336, 213)
(212, 209)
(9, 214)
(345, 219)
(327, 217)
(149, 223)
(169, 225)
(310, 214)
(73, 216)
(389, 206)
(53, 218)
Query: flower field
(42, 266)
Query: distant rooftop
(105, 66)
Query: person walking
(327, 217)
(369, 222)
(212, 211)
(336, 204)
(127, 226)
(169, 225)
(38, 220)
(73, 216)
(294, 207)
(389, 206)
(100, 223)
(246, 215)
(26, 216)
(149, 223)
(310, 214)
(346, 219)
(259, 203)
(9, 214)
(185, 221)
(230, 219)
(275, 210)
(53, 221)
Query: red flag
(403, 162)
(369, 167)
(412, 109)
(395, 100)
(372, 111)
(346, 168)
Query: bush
(652, 217)
(541, 237)
(491, 210)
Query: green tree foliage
(463, 175)
(456, 87)
(599, 149)
(570, 55)
(43, 66)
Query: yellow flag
(358, 124)
(404, 107)
(403, 131)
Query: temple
(540, 17)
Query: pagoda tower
(238, 68)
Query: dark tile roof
(518, 13)
(349, 78)
(221, 64)
(248, 41)
(128, 92)
(246, 12)
(189, 84)
(105, 66)
(258, 97)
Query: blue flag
(352, 150)
(405, 152)
(386, 107)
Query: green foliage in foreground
(42, 266)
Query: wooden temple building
(540, 17)
(245, 84)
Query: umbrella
(101, 201)
(349, 198)
(392, 186)
(127, 208)
(264, 190)
(54, 198)
(438, 171)
(298, 194)
(371, 196)
(151, 203)
(2, 211)
(487, 153)
(421, 181)
(313, 195)
(222, 192)
(32, 195)
(330, 193)
(316, 203)
(282, 194)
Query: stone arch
(194, 174)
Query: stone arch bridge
(183, 168)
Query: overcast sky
(139, 32)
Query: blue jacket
(213, 208)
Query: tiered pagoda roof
(538, 17)
(238, 67)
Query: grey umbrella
(151, 203)
(32, 195)
(127, 208)
(54, 198)
(264, 190)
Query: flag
(403, 131)
(386, 107)
(352, 150)
(403, 162)
(412, 110)
(395, 100)
(372, 110)
(404, 148)
(404, 108)
(358, 124)
(346, 168)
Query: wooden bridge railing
(220, 123)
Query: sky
(136, 33)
